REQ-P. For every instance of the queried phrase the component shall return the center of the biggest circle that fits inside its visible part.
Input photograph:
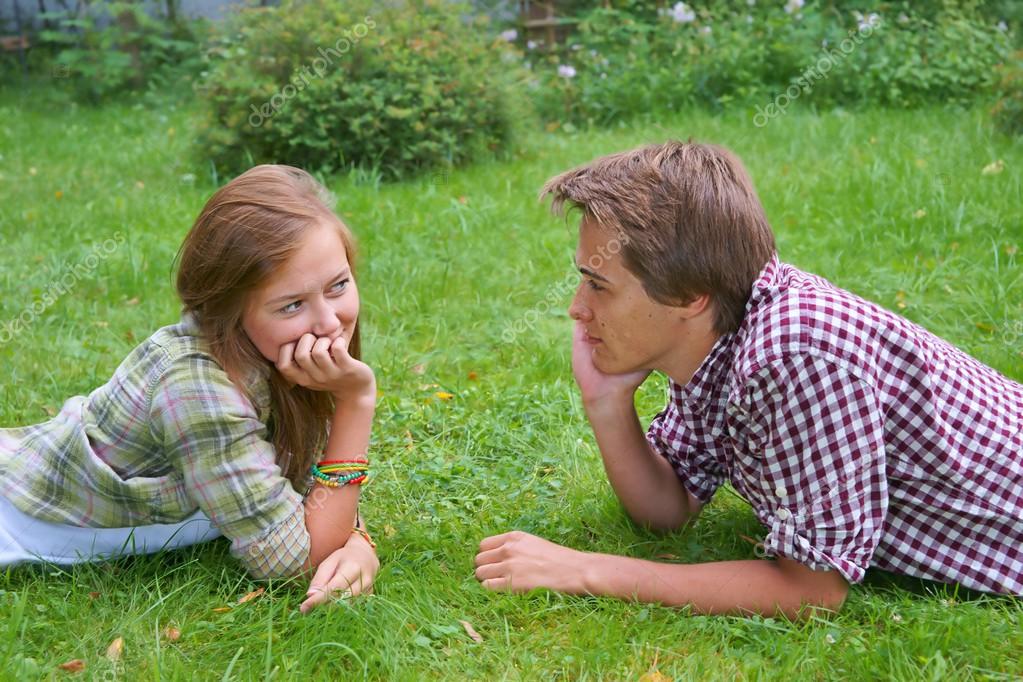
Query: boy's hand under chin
(594, 385)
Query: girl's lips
(592, 340)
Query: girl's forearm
(330, 513)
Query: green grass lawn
(892, 205)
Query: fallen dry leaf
(993, 168)
(58, 194)
(471, 631)
(115, 649)
(222, 609)
(654, 676)
(418, 369)
(94, 595)
(985, 327)
(473, 376)
(919, 214)
(76, 665)
(171, 633)
(134, 300)
(667, 557)
(444, 395)
(252, 595)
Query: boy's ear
(696, 306)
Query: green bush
(635, 59)
(1008, 111)
(114, 47)
(328, 85)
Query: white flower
(603, 75)
(897, 618)
(749, 19)
(530, 44)
(706, 30)
(870, 21)
(794, 5)
(566, 71)
(510, 35)
(682, 14)
(576, 47)
(903, 19)
(829, 638)
(751, 3)
(1002, 26)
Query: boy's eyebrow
(592, 274)
(291, 297)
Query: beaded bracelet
(338, 472)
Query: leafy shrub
(335, 84)
(636, 59)
(1008, 111)
(113, 47)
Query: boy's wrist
(609, 405)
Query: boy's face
(627, 330)
(313, 293)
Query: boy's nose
(578, 311)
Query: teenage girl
(249, 418)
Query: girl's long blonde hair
(248, 229)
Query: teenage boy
(859, 438)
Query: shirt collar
(706, 384)
(765, 280)
(709, 380)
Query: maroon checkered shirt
(859, 438)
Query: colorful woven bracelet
(332, 483)
(337, 473)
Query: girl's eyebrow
(345, 272)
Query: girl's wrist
(364, 397)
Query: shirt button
(784, 514)
(780, 491)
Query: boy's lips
(593, 340)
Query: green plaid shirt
(168, 434)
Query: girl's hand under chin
(322, 365)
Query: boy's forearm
(644, 482)
(756, 586)
(330, 512)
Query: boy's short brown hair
(689, 221)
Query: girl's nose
(327, 322)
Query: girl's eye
(593, 285)
(291, 307)
(339, 286)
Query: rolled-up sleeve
(212, 435)
(823, 489)
(698, 470)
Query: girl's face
(313, 293)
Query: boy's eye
(291, 307)
(339, 286)
(593, 285)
